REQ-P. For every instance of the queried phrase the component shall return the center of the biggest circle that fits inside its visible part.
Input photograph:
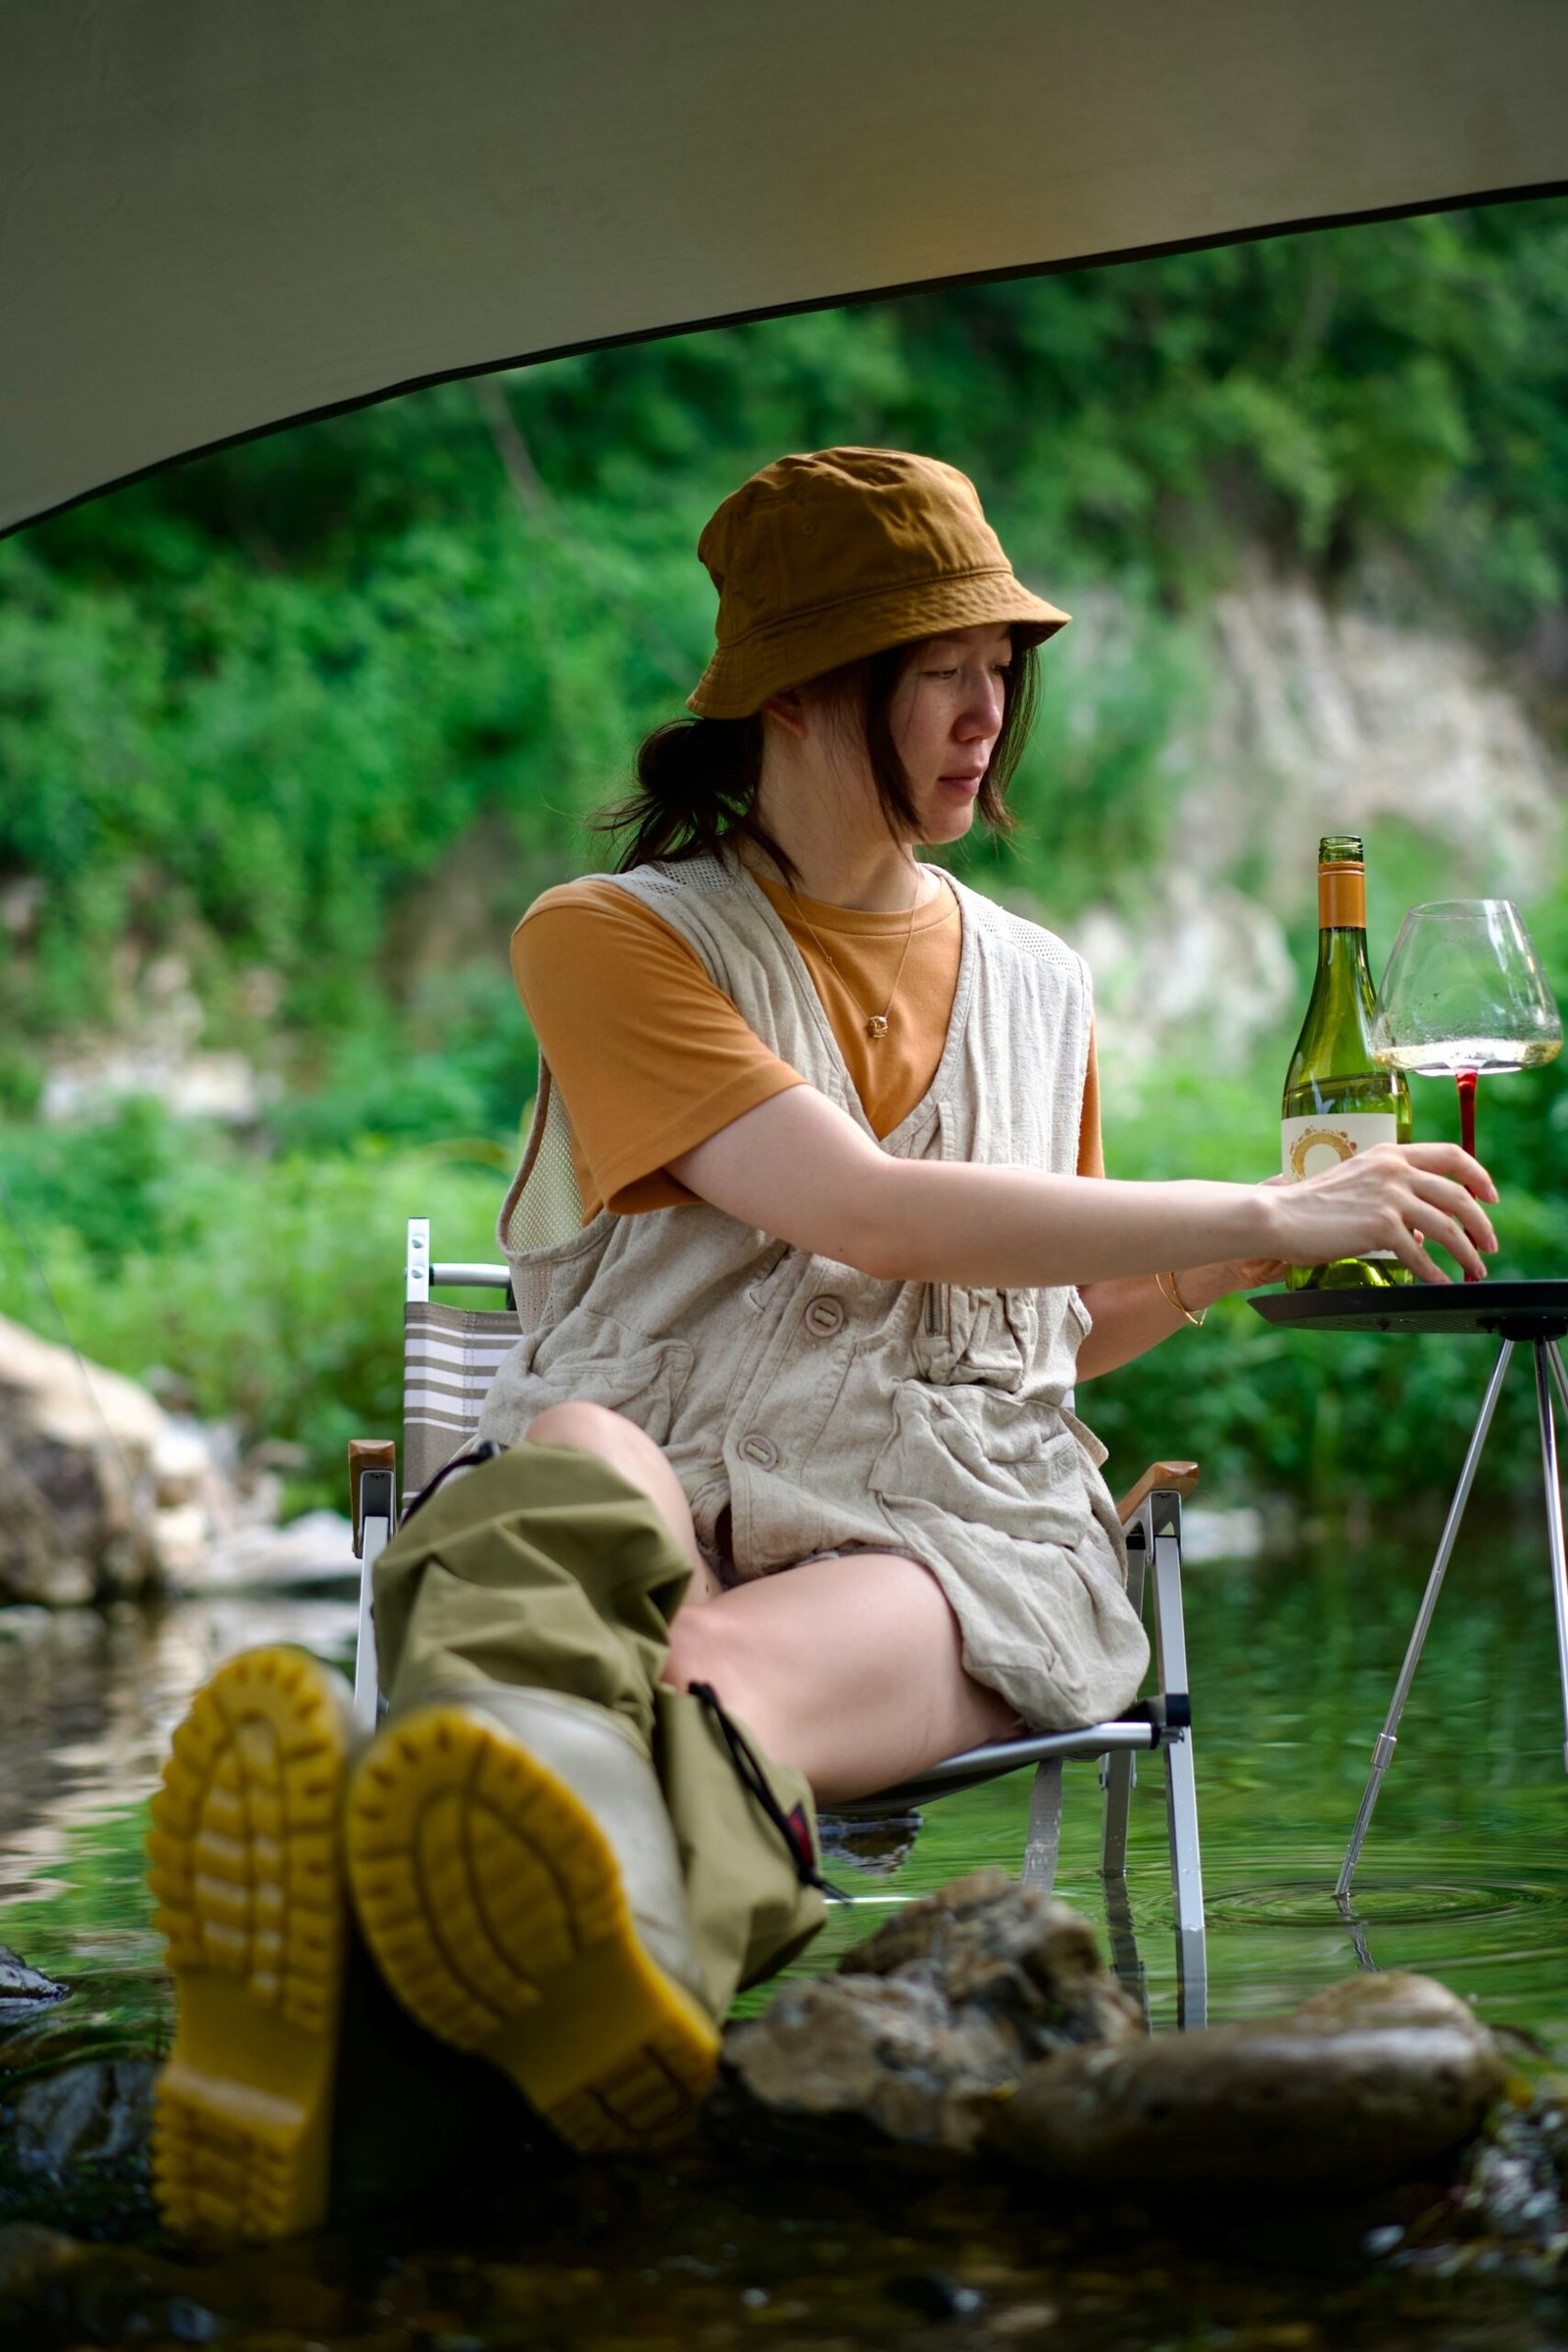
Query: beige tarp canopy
(223, 214)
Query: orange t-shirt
(652, 1058)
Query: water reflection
(88, 1701)
(1465, 1875)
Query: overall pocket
(986, 1337)
(989, 1458)
(592, 1356)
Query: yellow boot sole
(247, 1873)
(495, 1911)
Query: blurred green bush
(262, 1292)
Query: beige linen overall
(829, 1410)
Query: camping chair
(451, 1356)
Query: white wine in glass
(1464, 997)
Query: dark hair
(697, 778)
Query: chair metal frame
(1151, 1520)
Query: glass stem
(1465, 1081)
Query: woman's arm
(1134, 1315)
(799, 1167)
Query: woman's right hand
(1396, 1196)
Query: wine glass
(1464, 996)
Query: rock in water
(30, 2253)
(1373, 2083)
(23, 1990)
(934, 2015)
(97, 2111)
(983, 2016)
(1018, 1956)
(76, 1445)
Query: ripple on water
(1391, 1898)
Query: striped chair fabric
(451, 1353)
(450, 1357)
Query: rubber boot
(247, 1876)
(554, 1857)
(289, 2058)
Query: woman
(706, 1022)
(784, 1459)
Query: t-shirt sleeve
(1091, 1146)
(650, 1056)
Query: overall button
(823, 1317)
(758, 1449)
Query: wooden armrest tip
(372, 1453)
(1178, 1478)
(368, 1453)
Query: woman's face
(946, 715)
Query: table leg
(1555, 1534)
(1383, 1752)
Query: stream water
(1465, 1876)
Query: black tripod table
(1519, 1314)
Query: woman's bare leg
(849, 1669)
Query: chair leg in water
(247, 1876)
(1043, 1837)
(516, 1878)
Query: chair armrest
(366, 1455)
(1171, 1477)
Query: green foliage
(270, 1288)
(457, 1059)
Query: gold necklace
(877, 1023)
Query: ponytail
(697, 782)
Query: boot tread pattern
(223, 2177)
(495, 1911)
(651, 2099)
(434, 1837)
(246, 1874)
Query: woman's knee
(591, 1428)
(595, 1429)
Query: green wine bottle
(1337, 1100)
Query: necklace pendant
(877, 1025)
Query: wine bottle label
(1309, 1146)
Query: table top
(1501, 1310)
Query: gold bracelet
(1165, 1284)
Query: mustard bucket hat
(822, 560)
